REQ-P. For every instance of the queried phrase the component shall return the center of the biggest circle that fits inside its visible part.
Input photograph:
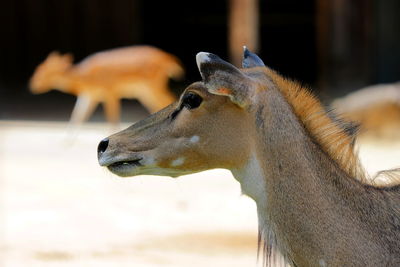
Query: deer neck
(281, 149)
(285, 165)
(62, 81)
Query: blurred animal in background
(376, 108)
(139, 72)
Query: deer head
(43, 79)
(210, 126)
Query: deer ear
(250, 59)
(68, 57)
(53, 54)
(222, 78)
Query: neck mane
(331, 134)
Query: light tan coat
(138, 72)
(314, 204)
(376, 108)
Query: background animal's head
(211, 125)
(55, 64)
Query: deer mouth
(124, 167)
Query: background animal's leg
(84, 107)
(112, 109)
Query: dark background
(335, 46)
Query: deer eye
(191, 100)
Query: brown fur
(140, 72)
(289, 155)
(328, 133)
(379, 120)
(375, 108)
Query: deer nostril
(102, 146)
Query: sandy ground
(59, 208)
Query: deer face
(43, 78)
(209, 127)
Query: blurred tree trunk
(243, 28)
(345, 44)
(387, 41)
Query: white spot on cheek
(322, 263)
(194, 139)
(177, 162)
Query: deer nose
(102, 146)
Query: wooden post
(344, 42)
(243, 28)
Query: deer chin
(125, 167)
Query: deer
(376, 108)
(135, 72)
(315, 204)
